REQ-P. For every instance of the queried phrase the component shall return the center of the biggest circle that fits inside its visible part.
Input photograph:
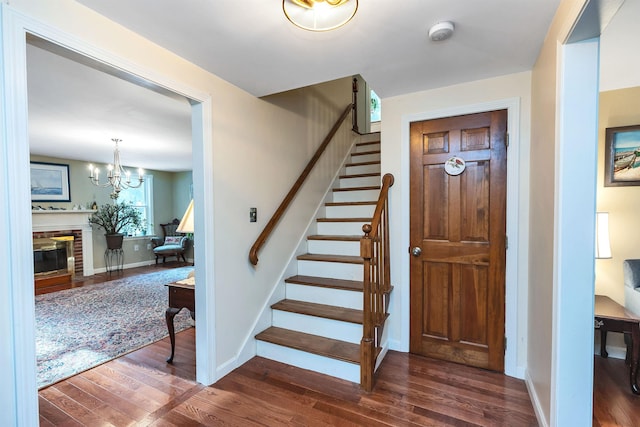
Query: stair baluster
(374, 249)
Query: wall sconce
(603, 247)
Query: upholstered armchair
(631, 272)
(171, 243)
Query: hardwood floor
(613, 402)
(142, 389)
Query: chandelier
(319, 15)
(117, 177)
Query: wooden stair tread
(361, 144)
(371, 202)
(340, 350)
(346, 259)
(340, 238)
(373, 187)
(372, 162)
(364, 153)
(326, 282)
(360, 175)
(363, 220)
(320, 310)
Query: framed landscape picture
(49, 182)
(622, 156)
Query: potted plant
(114, 219)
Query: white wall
(460, 99)
(619, 106)
(619, 61)
(254, 148)
(546, 309)
(256, 167)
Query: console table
(180, 296)
(611, 316)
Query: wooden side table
(611, 316)
(180, 296)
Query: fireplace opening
(53, 256)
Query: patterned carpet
(80, 328)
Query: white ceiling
(252, 45)
(75, 110)
(619, 59)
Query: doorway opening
(20, 325)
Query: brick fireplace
(75, 242)
(75, 223)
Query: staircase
(319, 325)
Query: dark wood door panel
(458, 222)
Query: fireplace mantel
(56, 220)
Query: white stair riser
(356, 195)
(365, 148)
(313, 362)
(367, 181)
(329, 328)
(341, 228)
(333, 247)
(332, 270)
(354, 170)
(350, 211)
(359, 158)
(370, 137)
(328, 296)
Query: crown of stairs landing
(318, 326)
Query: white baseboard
(614, 352)
(537, 408)
(126, 266)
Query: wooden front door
(458, 226)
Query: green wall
(171, 196)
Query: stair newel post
(367, 345)
(378, 282)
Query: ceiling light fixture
(441, 31)
(117, 176)
(319, 15)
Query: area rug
(79, 328)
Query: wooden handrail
(271, 225)
(374, 249)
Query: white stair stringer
(335, 240)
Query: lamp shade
(186, 225)
(603, 247)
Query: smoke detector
(441, 31)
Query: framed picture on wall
(622, 156)
(50, 182)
